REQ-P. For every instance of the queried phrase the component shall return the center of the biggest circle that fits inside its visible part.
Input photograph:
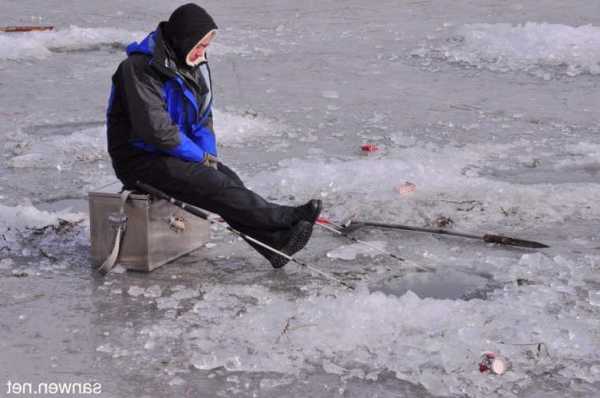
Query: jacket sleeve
(150, 119)
(204, 136)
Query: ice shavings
(61, 151)
(69, 149)
(16, 223)
(362, 334)
(39, 45)
(538, 48)
(451, 180)
(110, 349)
(232, 128)
(158, 333)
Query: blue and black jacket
(159, 107)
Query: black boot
(300, 236)
(310, 211)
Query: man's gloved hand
(210, 161)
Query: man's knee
(231, 174)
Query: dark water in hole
(443, 284)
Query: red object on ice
(369, 148)
(16, 29)
(323, 220)
(486, 362)
(406, 188)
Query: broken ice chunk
(594, 298)
(349, 252)
(330, 94)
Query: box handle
(119, 222)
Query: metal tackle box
(156, 231)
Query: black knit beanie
(187, 25)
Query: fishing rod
(340, 230)
(351, 226)
(206, 216)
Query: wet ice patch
(6, 264)
(39, 45)
(584, 156)
(153, 291)
(571, 163)
(221, 49)
(180, 293)
(542, 49)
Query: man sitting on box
(160, 132)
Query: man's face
(197, 53)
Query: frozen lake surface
(490, 108)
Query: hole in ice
(444, 284)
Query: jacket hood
(186, 26)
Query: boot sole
(298, 241)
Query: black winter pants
(219, 191)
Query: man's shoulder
(136, 61)
(139, 65)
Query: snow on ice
(40, 45)
(282, 326)
(530, 47)
(17, 46)
(363, 334)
